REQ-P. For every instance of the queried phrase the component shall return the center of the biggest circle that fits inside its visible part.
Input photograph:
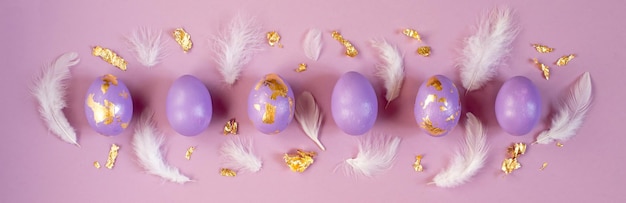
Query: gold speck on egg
(269, 114)
(429, 99)
(124, 125)
(276, 85)
(427, 124)
(101, 113)
(443, 108)
(257, 107)
(434, 82)
(124, 94)
(107, 80)
(450, 118)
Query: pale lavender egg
(353, 104)
(188, 106)
(271, 104)
(108, 105)
(518, 106)
(437, 106)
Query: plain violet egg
(354, 105)
(518, 106)
(188, 106)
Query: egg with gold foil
(271, 104)
(437, 106)
(108, 105)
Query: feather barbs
(236, 154)
(376, 155)
(309, 116)
(312, 44)
(390, 70)
(147, 45)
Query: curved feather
(571, 114)
(236, 153)
(309, 116)
(49, 90)
(147, 143)
(391, 70)
(313, 44)
(147, 45)
(376, 155)
(469, 160)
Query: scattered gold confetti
(543, 67)
(559, 144)
(412, 34)
(112, 156)
(350, 49)
(565, 59)
(300, 161)
(514, 151)
(227, 172)
(273, 38)
(96, 164)
(183, 38)
(510, 164)
(231, 127)
(189, 152)
(301, 67)
(424, 51)
(542, 48)
(110, 57)
(517, 149)
(543, 166)
(418, 164)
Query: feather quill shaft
(309, 116)
(376, 155)
(147, 143)
(313, 44)
(235, 46)
(237, 154)
(49, 90)
(486, 50)
(571, 114)
(147, 45)
(391, 70)
(469, 160)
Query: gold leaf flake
(101, 113)
(96, 164)
(516, 149)
(107, 80)
(418, 164)
(427, 124)
(543, 166)
(412, 34)
(124, 94)
(183, 38)
(124, 125)
(434, 82)
(302, 67)
(273, 38)
(424, 51)
(450, 118)
(559, 144)
(231, 126)
(227, 172)
(112, 156)
(276, 84)
(269, 114)
(300, 161)
(543, 67)
(350, 49)
(510, 164)
(565, 59)
(542, 48)
(189, 152)
(110, 57)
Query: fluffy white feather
(49, 90)
(571, 114)
(391, 70)
(313, 44)
(147, 45)
(236, 154)
(147, 143)
(309, 116)
(235, 46)
(376, 155)
(486, 50)
(469, 160)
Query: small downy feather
(376, 155)
(486, 50)
(147, 45)
(49, 90)
(235, 46)
(309, 116)
(391, 70)
(313, 44)
(147, 143)
(236, 154)
(469, 160)
(571, 113)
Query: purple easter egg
(437, 106)
(271, 104)
(518, 106)
(188, 106)
(353, 104)
(108, 105)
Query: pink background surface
(38, 167)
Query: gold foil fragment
(101, 113)
(542, 48)
(510, 164)
(124, 94)
(543, 166)
(273, 38)
(124, 125)
(96, 164)
(227, 172)
(565, 59)
(418, 164)
(350, 49)
(516, 149)
(257, 107)
(300, 161)
(424, 51)
(302, 67)
(434, 82)
(110, 57)
(112, 156)
(412, 34)
(427, 124)
(107, 80)
(429, 99)
(450, 118)
(276, 84)
(443, 108)
(559, 144)
(231, 127)
(269, 114)
(189, 152)
(543, 67)
(183, 38)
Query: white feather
(236, 154)
(486, 50)
(235, 46)
(49, 90)
(147, 143)
(391, 70)
(309, 116)
(376, 155)
(313, 44)
(147, 45)
(571, 114)
(469, 160)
